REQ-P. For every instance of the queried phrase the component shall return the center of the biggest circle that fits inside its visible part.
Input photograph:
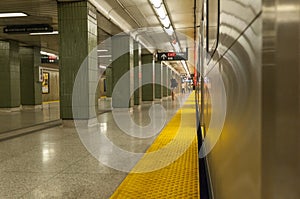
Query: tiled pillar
(147, 76)
(77, 37)
(31, 87)
(166, 80)
(158, 80)
(122, 57)
(137, 73)
(9, 75)
(169, 80)
(108, 74)
(178, 79)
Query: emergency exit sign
(172, 56)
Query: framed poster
(45, 83)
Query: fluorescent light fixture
(44, 33)
(169, 30)
(104, 50)
(46, 53)
(185, 67)
(161, 12)
(13, 14)
(165, 22)
(164, 19)
(156, 3)
(104, 56)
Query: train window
(212, 25)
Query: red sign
(171, 54)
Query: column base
(32, 107)
(167, 98)
(47, 105)
(105, 99)
(148, 102)
(80, 123)
(138, 107)
(123, 109)
(8, 110)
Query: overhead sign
(172, 56)
(46, 59)
(28, 28)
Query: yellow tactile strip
(169, 169)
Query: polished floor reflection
(53, 163)
(20, 119)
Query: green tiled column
(137, 73)
(77, 37)
(9, 75)
(147, 76)
(166, 80)
(108, 73)
(122, 56)
(31, 87)
(158, 80)
(178, 79)
(169, 80)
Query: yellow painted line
(48, 102)
(169, 169)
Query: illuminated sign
(172, 56)
(49, 59)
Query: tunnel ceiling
(137, 13)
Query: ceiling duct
(106, 10)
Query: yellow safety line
(169, 169)
(48, 102)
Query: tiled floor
(25, 118)
(53, 163)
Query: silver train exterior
(251, 100)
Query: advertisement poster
(45, 83)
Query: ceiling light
(102, 50)
(185, 67)
(156, 3)
(13, 14)
(161, 12)
(104, 56)
(165, 22)
(46, 53)
(49, 54)
(44, 33)
(169, 30)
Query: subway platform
(54, 163)
(27, 120)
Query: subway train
(247, 98)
